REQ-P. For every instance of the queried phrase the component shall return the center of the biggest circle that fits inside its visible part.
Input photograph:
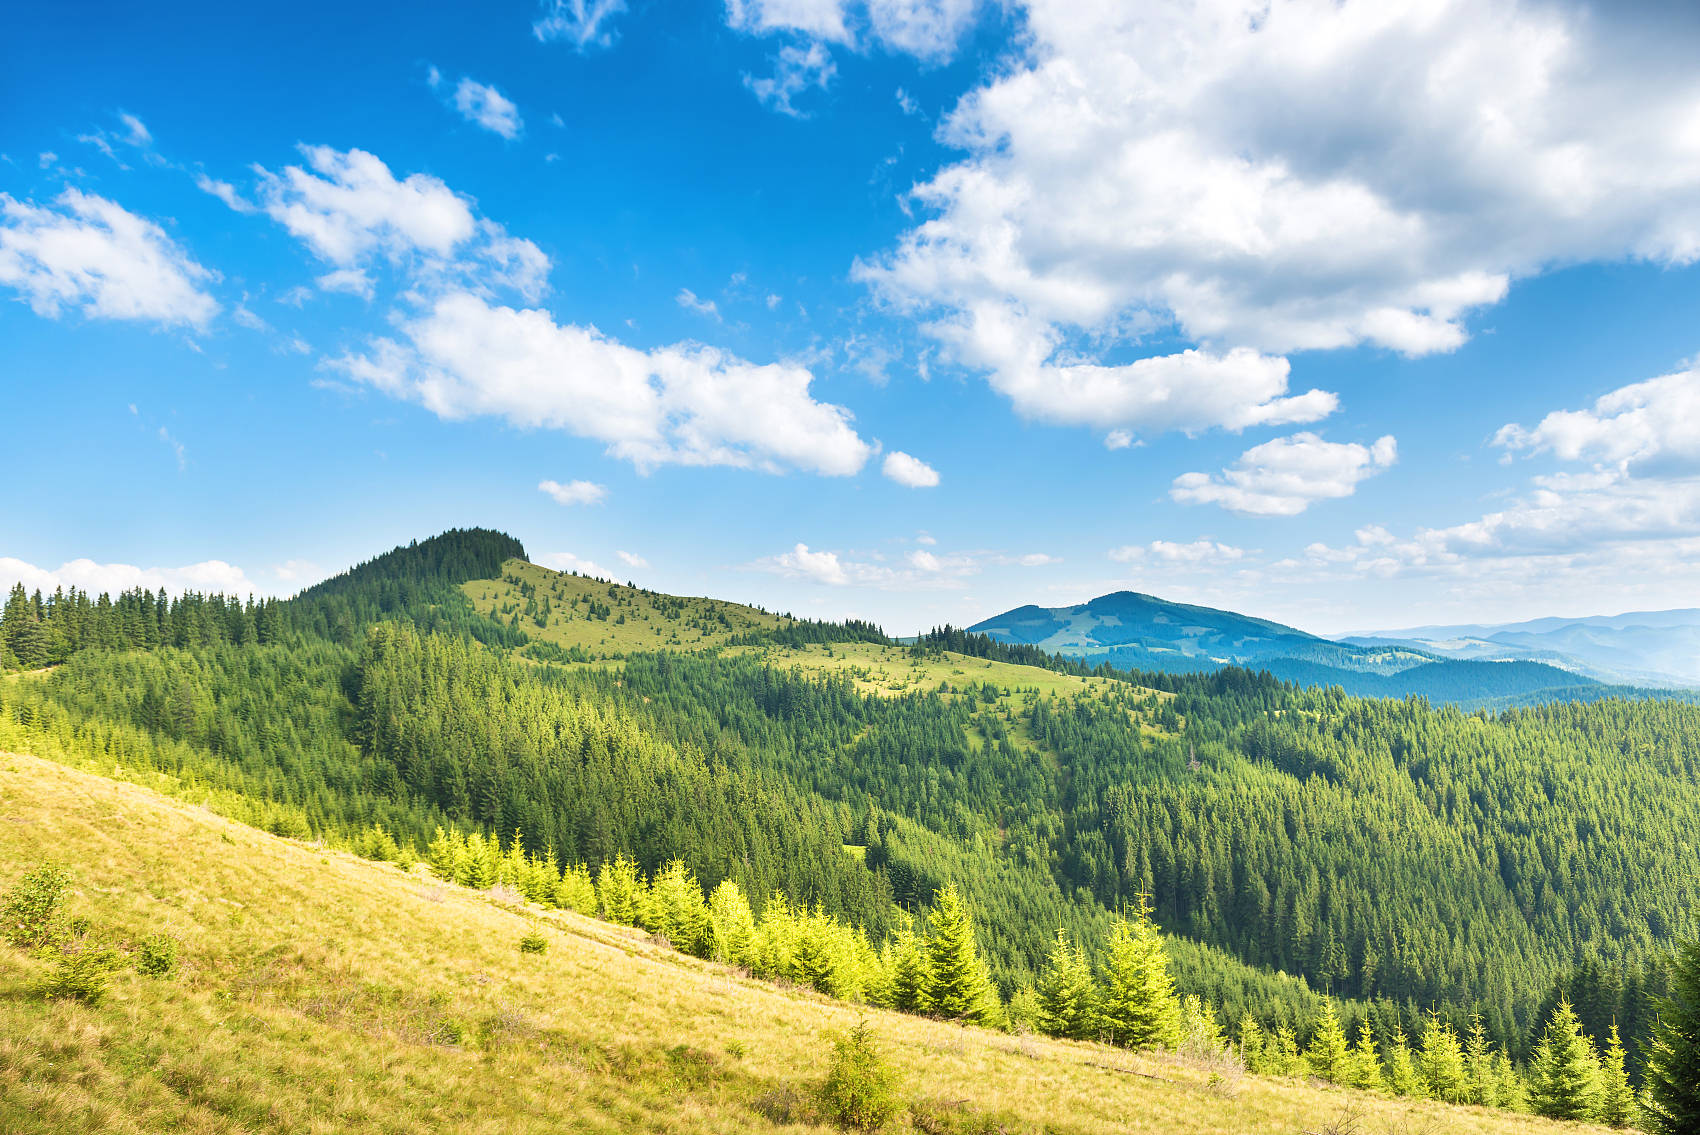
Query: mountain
(1133, 631)
(1643, 647)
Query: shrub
(859, 1087)
(157, 956)
(30, 914)
(534, 942)
(81, 974)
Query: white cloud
(909, 471)
(922, 569)
(349, 209)
(1197, 553)
(136, 133)
(225, 192)
(1286, 476)
(690, 301)
(92, 254)
(574, 492)
(566, 561)
(95, 578)
(485, 106)
(796, 70)
(632, 559)
(354, 281)
(243, 317)
(1272, 177)
(817, 19)
(583, 24)
(1649, 426)
(687, 404)
(349, 204)
(927, 29)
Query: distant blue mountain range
(1472, 666)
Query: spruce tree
(617, 889)
(1327, 1052)
(1401, 1072)
(1364, 1064)
(1617, 1098)
(1138, 1006)
(1253, 1044)
(1673, 1066)
(1564, 1074)
(1441, 1065)
(957, 984)
(1067, 994)
(1483, 1087)
(731, 924)
(906, 961)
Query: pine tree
(1617, 1098)
(1327, 1052)
(1067, 994)
(1564, 1074)
(1138, 1006)
(1441, 1065)
(1673, 1066)
(1401, 1072)
(1364, 1064)
(957, 984)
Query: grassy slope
(318, 991)
(653, 621)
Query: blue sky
(1348, 315)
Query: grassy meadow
(319, 992)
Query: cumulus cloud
(1646, 427)
(921, 569)
(687, 404)
(351, 211)
(1286, 476)
(1272, 177)
(483, 106)
(582, 24)
(354, 281)
(1624, 517)
(92, 254)
(1197, 553)
(574, 492)
(819, 567)
(95, 578)
(926, 29)
(566, 561)
(632, 559)
(909, 471)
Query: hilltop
(319, 991)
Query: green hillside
(1408, 860)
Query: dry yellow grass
(323, 993)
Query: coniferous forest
(1381, 892)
